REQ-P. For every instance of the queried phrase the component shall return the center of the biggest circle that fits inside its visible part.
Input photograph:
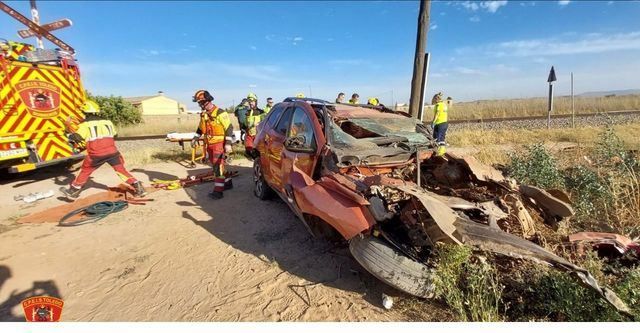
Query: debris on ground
(33, 197)
(56, 214)
(605, 244)
(387, 301)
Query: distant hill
(610, 92)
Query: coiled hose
(94, 212)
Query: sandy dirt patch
(182, 257)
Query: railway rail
(461, 121)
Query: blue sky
(480, 49)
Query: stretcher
(200, 147)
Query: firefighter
(373, 101)
(241, 113)
(354, 99)
(96, 136)
(216, 127)
(300, 95)
(439, 123)
(269, 105)
(254, 115)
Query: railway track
(462, 121)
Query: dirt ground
(183, 257)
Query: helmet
(437, 98)
(252, 96)
(202, 95)
(373, 101)
(90, 107)
(299, 95)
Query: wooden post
(418, 62)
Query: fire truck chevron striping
(39, 91)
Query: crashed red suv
(369, 174)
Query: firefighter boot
(71, 192)
(216, 195)
(140, 192)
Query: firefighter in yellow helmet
(299, 95)
(373, 101)
(215, 125)
(439, 123)
(254, 115)
(96, 135)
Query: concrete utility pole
(550, 80)
(35, 17)
(418, 62)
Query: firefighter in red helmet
(216, 127)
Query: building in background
(158, 105)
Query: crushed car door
(304, 155)
(275, 148)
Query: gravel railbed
(141, 144)
(581, 121)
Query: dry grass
(158, 125)
(538, 106)
(584, 135)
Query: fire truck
(40, 92)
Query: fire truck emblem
(42, 308)
(41, 98)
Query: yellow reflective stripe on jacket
(215, 125)
(96, 129)
(252, 122)
(440, 113)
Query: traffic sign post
(550, 80)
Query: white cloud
(253, 86)
(475, 18)
(468, 71)
(489, 6)
(433, 26)
(470, 5)
(298, 39)
(563, 2)
(493, 6)
(589, 43)
(253, 47)
(330, 39)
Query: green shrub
(629, 291)
(535, 166)
(116, 109)
(468, 285)
(590, 192)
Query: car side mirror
(298, 144)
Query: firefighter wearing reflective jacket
(254, 115)
(96, 136)
(439, 123)
(216, 127)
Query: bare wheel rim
(257, 178)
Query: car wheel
(387, 264)
(260, 188)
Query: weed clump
(535, 166)
(470, 286)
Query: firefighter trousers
(92, 163)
